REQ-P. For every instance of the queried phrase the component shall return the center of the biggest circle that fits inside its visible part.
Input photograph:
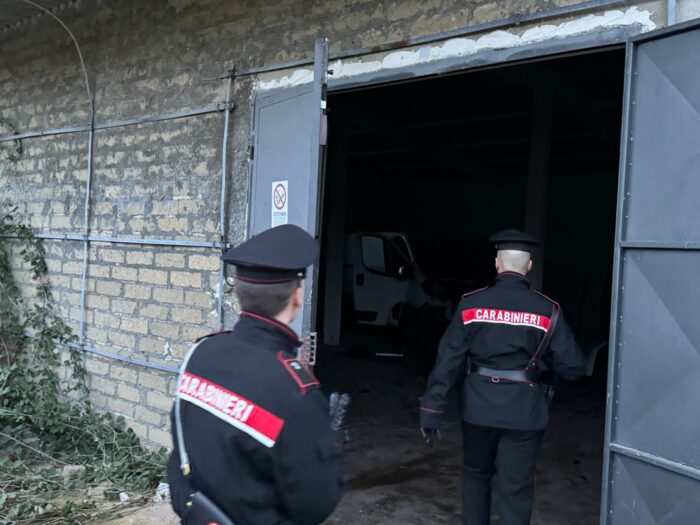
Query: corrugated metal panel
(13, 11)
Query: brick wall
(162, 180)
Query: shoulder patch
(475, 291)
(302, 376)
(211, 334)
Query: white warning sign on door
(280, 203)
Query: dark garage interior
(418, 175)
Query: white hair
(513, 260)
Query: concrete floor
(395, 479)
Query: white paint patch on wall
(460, 47)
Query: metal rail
(660, 245)
(211, 108)
(125, 240)
(123, 359)
(657, 461)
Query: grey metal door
(289, 135)
(652, 456)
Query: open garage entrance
(419, 174)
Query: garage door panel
(659, 359)
(645, 494)
(663, 145)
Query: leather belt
(525, 376)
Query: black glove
(430, 435)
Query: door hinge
(251, 152)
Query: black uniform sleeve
(565, 354)
(309, 462)
(450, 363)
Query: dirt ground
(395, 480)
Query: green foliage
(46, 418)
(14, 151)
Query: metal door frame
(621, 246)
(592, 42)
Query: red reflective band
(235, 410)
(490, 315)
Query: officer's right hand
(430, 435)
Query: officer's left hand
(430, 435)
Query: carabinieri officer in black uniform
(507, 335)
(255, 426)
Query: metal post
(86, 224)
(222, 202)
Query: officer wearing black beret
(251, 429)
(504, 336)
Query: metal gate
(652, 455)
(289, 137)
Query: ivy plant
(54, 445)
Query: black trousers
(512, 456)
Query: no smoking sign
(279, 196)
(280, 203)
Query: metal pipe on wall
(124, 359)
(211, 108)
(86, 223)
(222, 201)
(44, 133)
(124, 240)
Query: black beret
(277, 255)
(513, 240)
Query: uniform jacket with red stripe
(500, 327)
(257, 430)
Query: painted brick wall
(162, 180)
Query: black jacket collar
(512, 279)
(284, 337)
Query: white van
(382, 278)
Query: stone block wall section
(158, 180)
(150, 302)
(162, 180)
